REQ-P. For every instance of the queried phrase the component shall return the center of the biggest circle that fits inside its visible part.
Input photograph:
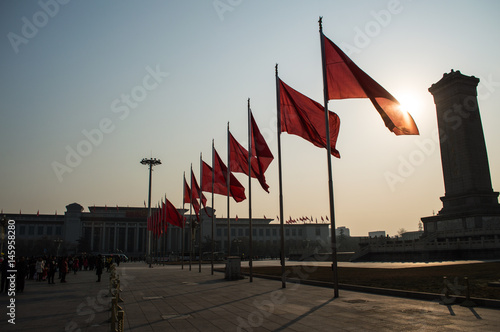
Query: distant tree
(420, 226)
(401, 231)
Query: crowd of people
(44, 268)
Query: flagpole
(228, 179)
(329, 158)
(164, 221)
(201, 217)
(191, 219)
(282, 227)
(183, 220)
(164, 217)
(250, 260)
(213, 210)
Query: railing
(117, 313)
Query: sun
(410, 102)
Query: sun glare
(409, 102)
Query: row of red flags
(164, 214)
(301, 116)
(303, 219)
(261, 158)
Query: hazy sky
(89, 88)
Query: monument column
(464, 158)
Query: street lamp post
(151, 162)
(58, 242)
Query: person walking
(98, 267)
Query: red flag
(236, 219)
(206, 183)
(237, 191)
(304, 117)
(38, 213)
(155, 221)
(164, 214)
(346, 80)
(196, 189)
(260, 160)
(261, 151)
(187, 193)
(173, 216)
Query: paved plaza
(166, 298)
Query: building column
(101, 236)
(114, 237)
(92, 236)
(125, 245)
(136, 242)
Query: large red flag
(304, 117)
(236, 189)
(261, 156)
(172, 215)
(346, 80)
(219, 183)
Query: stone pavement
(171, 299)
(80, 304)
(166, 298)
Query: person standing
(64, 269)
(98, 268)
(52, 270)
(39, 268)
(76, 265)
(22, 269)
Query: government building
(105, 229)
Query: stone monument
(470, 206)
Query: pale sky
(188, 68)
